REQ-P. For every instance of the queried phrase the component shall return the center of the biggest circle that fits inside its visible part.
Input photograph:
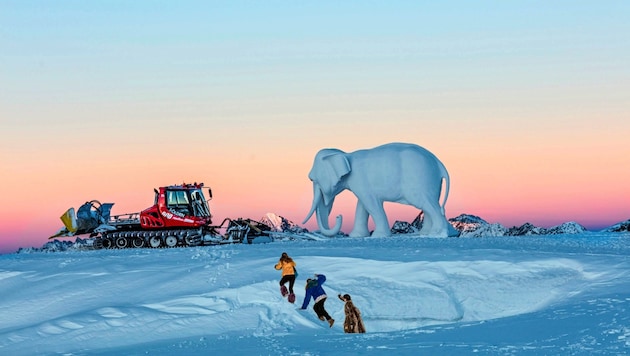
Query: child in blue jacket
(314, 289)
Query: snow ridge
(468, 225)
(474, 226)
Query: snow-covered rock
(466, 223)
(620, 227)
(403, 227)
(281, 224)
(417, 222)
(273, 221)
(486, 230)
(526, 229)
(570, 227)
(474, 226)
(58, 246)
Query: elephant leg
(427, 224)
(381, 225)
(435, 223)
(360, 222)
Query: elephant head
(329, 169)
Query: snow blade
(70, 221)
(90, 216)
(70, 224)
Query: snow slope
(560, 294)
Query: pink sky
(107, 103)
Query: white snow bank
(136, 299)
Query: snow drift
(550, 294)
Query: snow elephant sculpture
(394, 172)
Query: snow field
(132, 300)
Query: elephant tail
(447, 185)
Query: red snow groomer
(180, 217)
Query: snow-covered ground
(549, 295)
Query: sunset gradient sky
(526, 103)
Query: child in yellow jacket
(287, 265)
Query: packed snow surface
(560, 294)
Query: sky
(526, 103)
(534, 295)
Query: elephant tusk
(317, 197)
(316, 209)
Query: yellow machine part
(70, 222)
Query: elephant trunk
(323, 211)
(323, 224)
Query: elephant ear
(338, 163)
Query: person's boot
(291, 298)
(284, 291)
(331, 322)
